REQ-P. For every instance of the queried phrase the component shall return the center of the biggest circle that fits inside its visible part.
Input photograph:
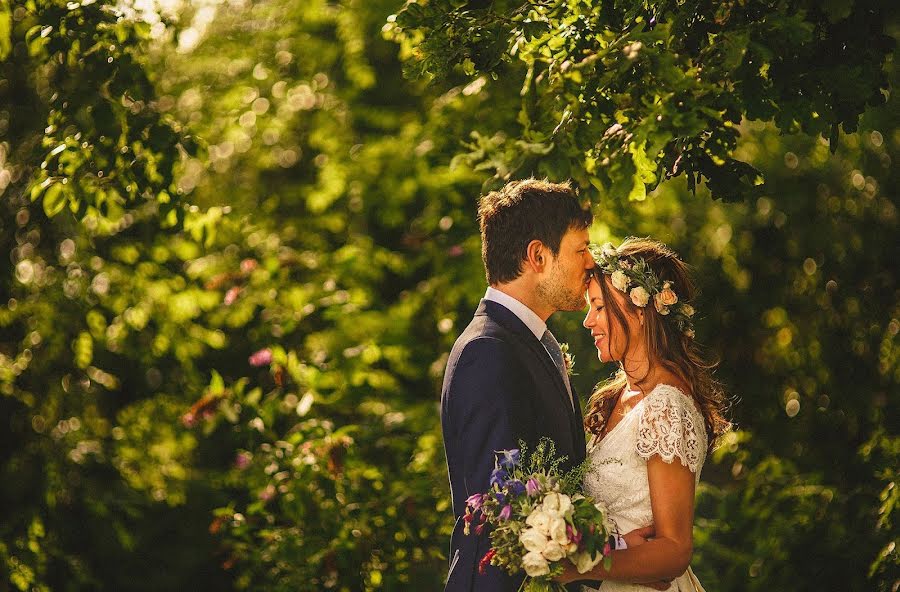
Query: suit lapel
(508, 319)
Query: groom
(505, 379)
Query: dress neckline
(630, 412)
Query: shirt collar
(525, 314)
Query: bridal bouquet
(538, 518)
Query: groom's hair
(520, 212)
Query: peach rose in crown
(667, 295)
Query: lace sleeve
(670, 426)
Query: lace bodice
(665, 422)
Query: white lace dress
(665, 422)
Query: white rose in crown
(639, 296)
(583, 561)
(540, 520)
(533, 540)
(553, 551)
(619, 280)
(534, 564)
(608, 250)
(687, 310)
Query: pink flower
(248, 265)
(506, 512)
(455, 251)
(189, 420)
(574, 535)
(532, 487)
(268, 493)
(231, 295)
(261, 358)
(242, 460)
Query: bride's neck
(641, 376)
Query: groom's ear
(536, 256)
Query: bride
(653, 423)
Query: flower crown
(637, 279)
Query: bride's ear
(536, 256)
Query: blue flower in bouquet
(509, 458)
(499, 477)
(515, 487)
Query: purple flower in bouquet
(475, 501)
(506, 512)
(532, 488)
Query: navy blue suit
(500, 387)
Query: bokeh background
(238, 244)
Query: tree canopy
(623, 95)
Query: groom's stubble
(557, 294)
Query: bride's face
(610, 336)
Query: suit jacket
(500, 386)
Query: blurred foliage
(227, 377)
(622, 95)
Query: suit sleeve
(490, 407)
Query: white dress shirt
(525, 314)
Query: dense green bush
(220, 360)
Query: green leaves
(669, 76)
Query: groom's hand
(639, 536)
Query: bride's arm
(668, 555)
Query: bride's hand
(570, 574)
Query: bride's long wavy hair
(666, 344)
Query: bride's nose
(588, 321)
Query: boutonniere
(568, 359)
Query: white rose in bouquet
(557, 504)
(535, 565)
(540, 520)
(584, 562)
(533, 540)
(553, 551)
(558, 531)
